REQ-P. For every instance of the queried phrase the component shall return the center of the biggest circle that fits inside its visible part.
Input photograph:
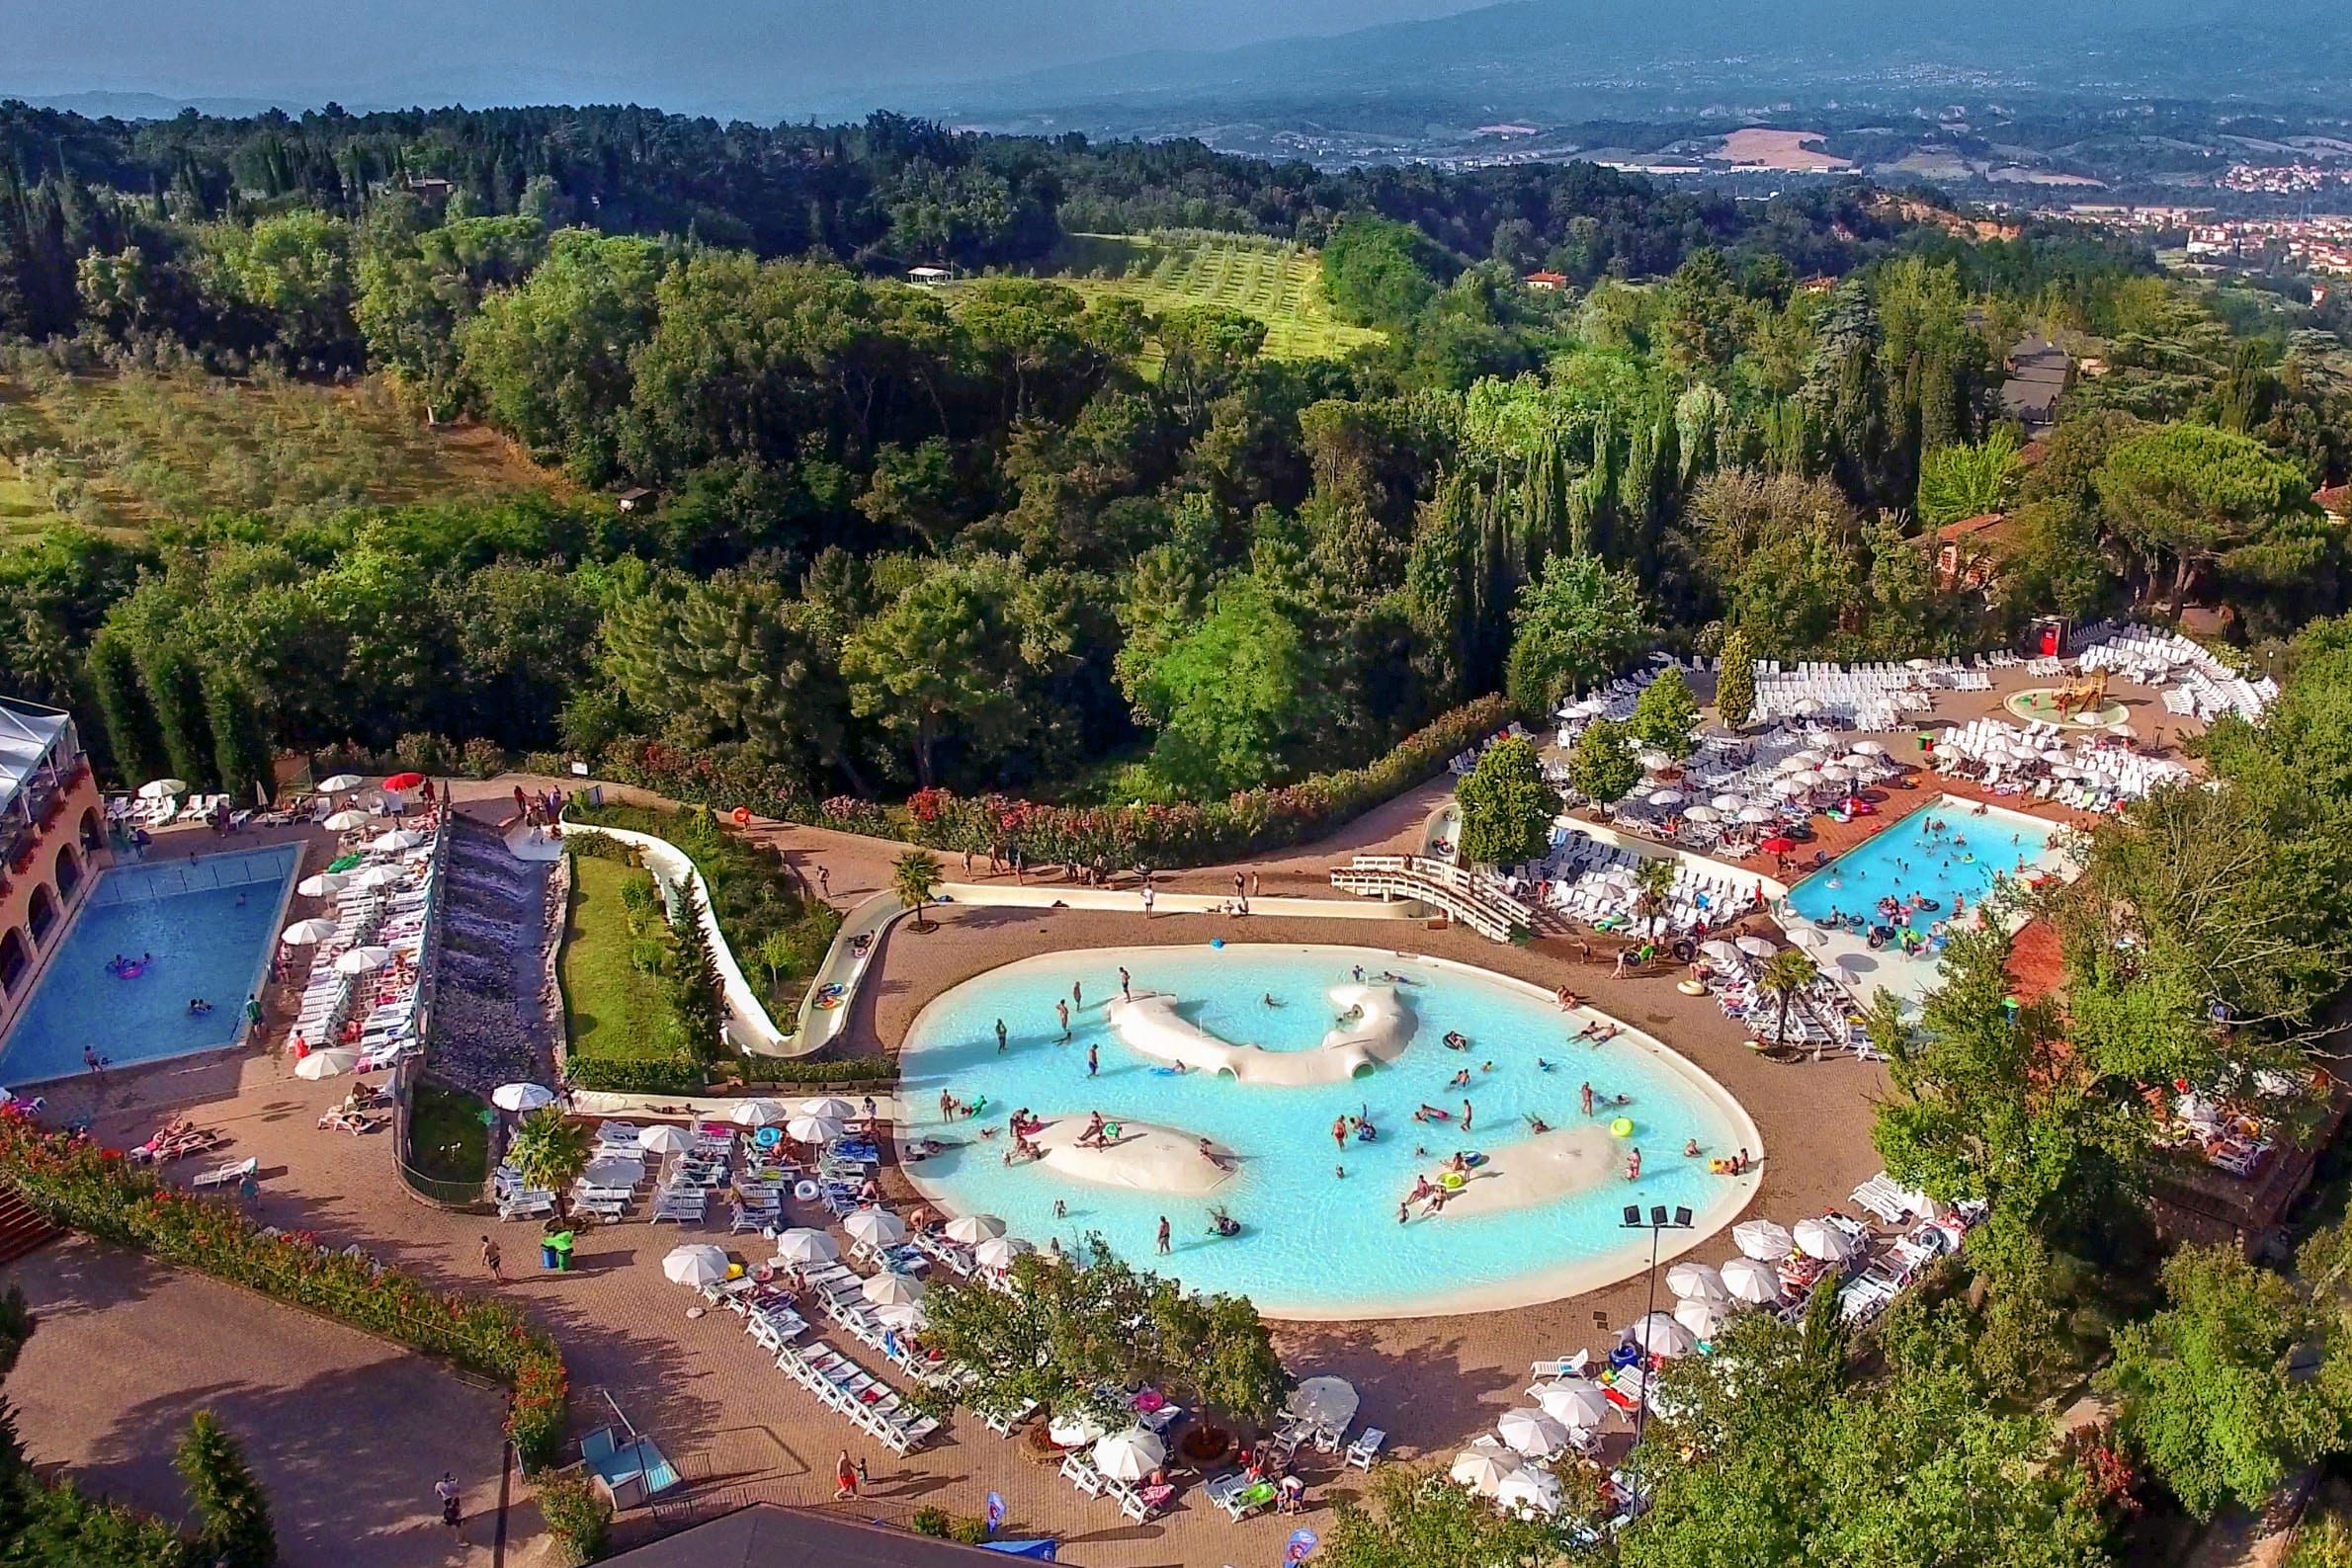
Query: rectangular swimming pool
(187, 929)
(1958, 856)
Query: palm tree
(549, 1151)
(1653, 882)
(1788, 972)
(915, 878)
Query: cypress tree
(175, 687)
(132, 733)
(233, 1527)
(240, 740)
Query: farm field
(1279, 284)
(121, 452)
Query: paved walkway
(347, 1434)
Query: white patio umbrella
(1660, 1335)
(1130, 1455)
(1703, 814)
(1530, 1490)
(323, 884)
(906, 1316)
(1702, 1318)
(1575, 1403)
(812, 1130)
(1326, 1401)
(522, 1096)
(998, 1252)
(1729, 802)
(1665, 798)
(1817, 1238)
(695, 1265)
(159, 788)
(1805, 935)
(624, 1170)
(1755, 814)
(362, 960)
(340, 783)
(1870, 748)
(973, 1229)
(1836, 773)
(333, 1063)
(1532, 1433)
(1717, 948)
(1809, 778)
(1484, 1466)
(891, 1289)
(1655, 761)
(875, 1227)
(1789, 787)
(307, 933)
(1072, 1430)
(662, 1138)
(1754, 947)
(1798, 760)
(345, 821)
(1763, 1240)
(757, 1114)
(378, 876)
(803, 1245)
(827, 1106)
(1756, 1284)
(396, 840)
(1696, 1282)
(1862, 762)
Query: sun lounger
(1364, 1449)
(227, 1175)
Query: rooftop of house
(29, 737)
(2335, 500)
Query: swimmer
(1358, 972)
(1269, 1000)
(1537, 1123)
(1486, 1067)
(1062, 1210)
(1456, 1040)
(1541, 1065)
(1339, 1173)
(1585, 1094)
(1339, 1132)
(1691, 1149)
(1460, 1080)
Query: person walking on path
(967, 864)
(490, 1256)
(1000, 1036)
(445, 1491)
(824, 882)
(1147, 901)
(1254, 884)
(1093, 1060)
(1126, 989)
(845, 1479)
(1062, 1011)
(1163, 1234)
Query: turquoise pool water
(1317, 1244)
(206, 922)
(1907, 857)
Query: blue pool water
(1906, 858)
(208, 924)
(1316, 1244)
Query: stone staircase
(21, 1229)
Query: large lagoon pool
(1959, 856)
(1545, 1221)
(206, 926)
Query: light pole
(1657, 1224)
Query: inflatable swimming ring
(130, 972)
(1453, 1181)
(1690, 988)
(1474, 1159)
(1621, 1127)
(763, 1274)
(829, 997)
(742, 815)
(805, 1191)
(1967, 859)
(767, 1137)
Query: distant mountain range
(1639, 58)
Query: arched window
(16, 957)
(41, 914)
(93, 831)
(70, 870)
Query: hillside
(1279, 284)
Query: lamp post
(1657, 1223)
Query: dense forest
(1015, 536)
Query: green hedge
(74, 1183)
(1163, 836)
(800, 1070)
(681, 1075)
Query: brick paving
(739, 1430)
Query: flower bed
(1163, 836)
(74, 1183)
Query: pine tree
(698, 996)
(233, 1528)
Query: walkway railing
(1464, 895)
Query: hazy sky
(769, 58)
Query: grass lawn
(447, 1140)
(1279, 284)
(610, 1009)
(121, 452)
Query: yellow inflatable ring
(1621, 1127)
(1452, 1180)
(1690, 988)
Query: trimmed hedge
(681, 1075)
(1163, 836)
(74, 1183)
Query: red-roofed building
(1968, 554)
(2336, 502)
(1552, 283)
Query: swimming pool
(205, 925)
(1538, 1221)
(1909, 857)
